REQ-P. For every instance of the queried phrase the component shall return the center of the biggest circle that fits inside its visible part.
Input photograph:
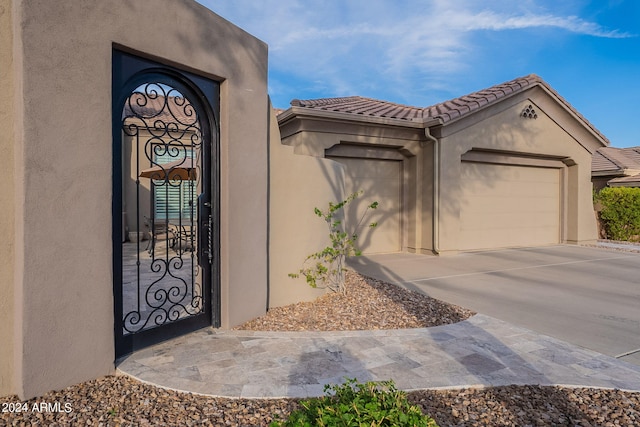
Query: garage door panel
(500, 188)
(510, 238)
(380, 181)
(504, 206)
(502, 220)
(499, 204)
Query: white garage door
(505, 206)
(380, 181)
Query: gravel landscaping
(616, 245)
(368, 304)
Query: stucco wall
(298, 184)
(8, 123)
(62, 277)
(425, 205)
(502, 128)
(600, 182)
(339, 135)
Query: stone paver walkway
(481, 351)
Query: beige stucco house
(502, 167)
(97, 94)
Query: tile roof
(612, 159)
(625, 181)
(444, 112)
(459, 107)
(363, 106)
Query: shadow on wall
(386, 219)
(379, 181)
(502, 136)
(71, 194)
(467, 186)
(297, 185)
(230, 43)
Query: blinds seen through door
(174, 200)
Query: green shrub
(620, 214)
(357, 404)
(325, 268)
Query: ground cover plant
(358, 404)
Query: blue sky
(421, 52)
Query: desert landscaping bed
(368, 304)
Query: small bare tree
(326, 268)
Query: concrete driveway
(586, 296)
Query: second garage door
(380, 181)
(507, 206)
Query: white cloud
(487, 20)
(343, 44)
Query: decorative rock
(123, 401)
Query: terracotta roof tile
(625, 181)
(444, 112)
(362, 106)
(449, 110)
(615, 159)
(601, 163)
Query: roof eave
(610, 172)
(296, 112)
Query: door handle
(205, 232)
(210, 238)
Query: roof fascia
(611, 172)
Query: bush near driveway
(620, 214)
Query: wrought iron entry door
(165, 206)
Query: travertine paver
(481, 351)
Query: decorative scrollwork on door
(162, 184)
